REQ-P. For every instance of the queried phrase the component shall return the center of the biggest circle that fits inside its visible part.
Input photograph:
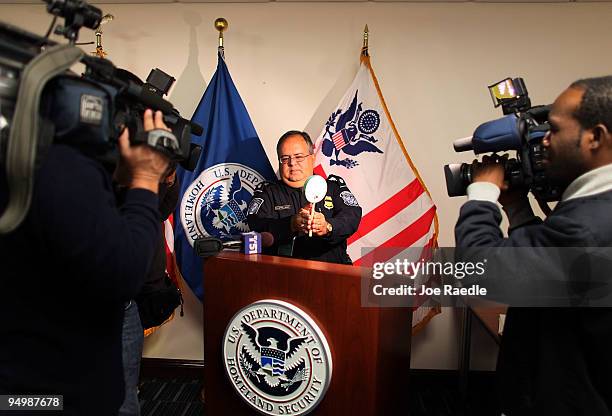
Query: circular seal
(215, 203)
(277, 358)
(368, 122)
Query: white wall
(292, 62)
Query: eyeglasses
(297, 158)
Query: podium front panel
(370, 347)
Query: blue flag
(215, 196)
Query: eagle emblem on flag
(223, 210)
(350, 132)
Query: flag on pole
(361, 144)
(214, 197)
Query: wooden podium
(370, 346)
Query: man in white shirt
(555, 360)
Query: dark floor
(432, 394)
(439, 393)
(170, 397)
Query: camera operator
(150, 307)
(555, 360)
(69, 270)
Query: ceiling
(310, 1)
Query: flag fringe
(433, 311)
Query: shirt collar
(591, 183)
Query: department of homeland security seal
(277, 358)
(215, 203)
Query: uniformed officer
(281, 208)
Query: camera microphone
(463, 145)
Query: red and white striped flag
(171, 267)
(361, 144)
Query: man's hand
(490, 170)
(299, 222)
(141, 166)
(514, 196)
(318, 224)
(303, 222)
(170, 178)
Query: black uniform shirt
(274, 204)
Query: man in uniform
(281, 208)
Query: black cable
(51, 27)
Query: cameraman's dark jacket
(552, 361)
(274, 204)
(168, 198)
(67, 272)
(150, 300)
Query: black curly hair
(596, 105)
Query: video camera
(43, 102)
(521, 129)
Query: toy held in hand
(315, 189)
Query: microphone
(253, 242)
(207, 246)
(462, 145)
(267, 239)
(246, 243)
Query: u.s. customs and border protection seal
(277, 358)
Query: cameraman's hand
(513, 196)
(490, 170)
(144, 166)
(515, 204)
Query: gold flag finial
(221, 25)
(100, 52)
(364, 49)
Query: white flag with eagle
(361, 144)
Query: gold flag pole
(100, 52)
(221, 25)
(364, 48)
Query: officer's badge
(329, 203)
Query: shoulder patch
(262, 185)
(336, 178)
(254, 206)
(349, 199)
